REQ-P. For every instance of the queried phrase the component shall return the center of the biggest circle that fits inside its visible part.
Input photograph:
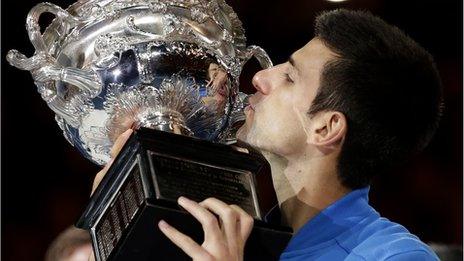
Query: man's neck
(305, 186)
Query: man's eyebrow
(292, 62)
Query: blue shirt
(350, 229)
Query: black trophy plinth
(142, 186)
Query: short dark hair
(385, 84)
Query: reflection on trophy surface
(217, 86)
(104, 66)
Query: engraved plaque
(175, 177)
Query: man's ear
(328, 129)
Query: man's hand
(225, 237)
(117, 146)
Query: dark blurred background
(46, 183)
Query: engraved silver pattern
(103, 66)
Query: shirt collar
(333, 220)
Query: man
(359, 98)
(72, 244)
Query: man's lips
(249, 108)
(252, 102)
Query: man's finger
(228, 216)
(98, 178)
(208, 221)
(246, 222)
(184, 242)
(119, 143)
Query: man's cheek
(287, 134)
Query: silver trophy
(170, 70)
(173, 65)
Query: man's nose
(261, 81)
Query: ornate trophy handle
(42, 65)
(45, 68)
(259, 54)
(33, 27)
(264, 61)
(237, 116)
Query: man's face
(276, 120)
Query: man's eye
(287, 76)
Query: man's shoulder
(386, 240)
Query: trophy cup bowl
(170, 70)
(100, 64)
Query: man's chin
(244, 137)
(246, 142)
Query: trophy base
(152, 171)
(144, 241)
